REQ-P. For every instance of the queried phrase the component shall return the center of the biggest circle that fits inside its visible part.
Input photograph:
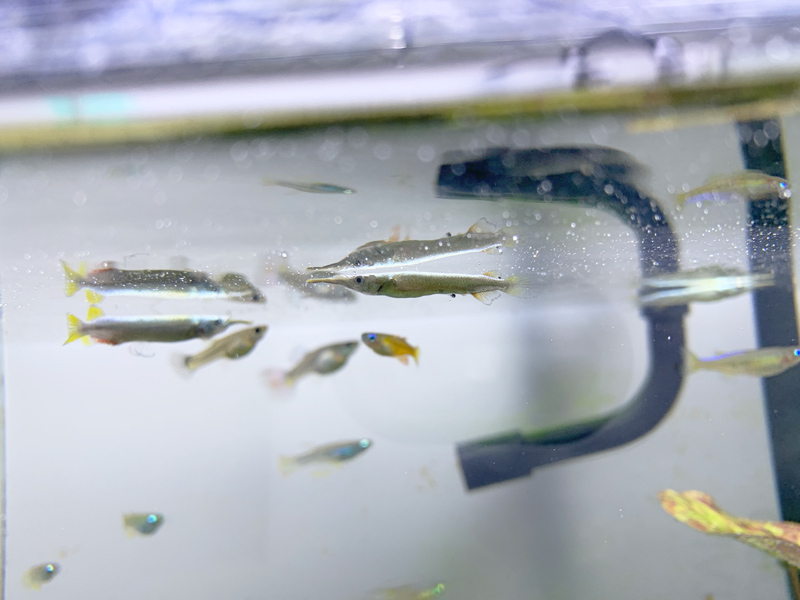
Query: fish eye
(359, 279)
(152, 518)
(452, 295)
(797, 352)
(372, 337)
(357, 263)
(259, 329)
(364, 443)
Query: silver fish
(322, 361)
(142, 523)
(236, 287)
(410, 284)
(330, 453)
(160, 328)
(705, 284)
(754, 185)
(298, 281)
(311, 188)
(37, 576)
(481, 237)
(235, 345)
(764, 362)
(167, 283)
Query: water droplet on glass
(373, 224)
(211, 172)
(337, 219)
(79, 198)
(240, 150)
(383, 151)
(426, 153)
(608, 189)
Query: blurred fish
(311, 188)
(142, 523)
(235, 345)
(323, 361)
(753, 185)
(764, 362)
(322, 291)
(780, 539)
(481, 237)
(236, 287)
(160, 328)
(706, 284)
(408, 592)
(330, 453)
(391, 345)
(37, 576)
(155, 283)
(409, 284)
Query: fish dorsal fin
(487, 297)
(482, 226)
(94, 313)
(492, 274)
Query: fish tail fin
(74, 329)
(93, 297)
(286, 465)
(415, 354)
(268, 181)
(519, 286)
(278, 380)
(94, 312)
(72, 279)
(690, 362)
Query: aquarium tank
(380, 300)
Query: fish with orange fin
(698, 510)
(481, 237)
(386, 344)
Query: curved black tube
(604, 178)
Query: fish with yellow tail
(780, 539)
(233, 346)
(410, 284)
(158, 328)
(753, 185)
(157, 283)
(37, 576)
(335, 453)
(386, 344)
(481, 237)
(322, 361)
(764, 362)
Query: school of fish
(337, 282)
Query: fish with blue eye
(37, 576)
(142, 523)
(335, 453)
(311, 188)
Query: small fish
(486, 287)
(236, 287)
(330, 453)
(311, 188)
(753, 185)
(764, 362)
(481, 237)
(780, 539)
(706, 284)
(323, 291)
(235, 345)
(142, 523)
(37, 576)
(160, 328)
(323, 361)
(153, 283)
(408, 592)
(391, 345)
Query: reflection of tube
(598, 177)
